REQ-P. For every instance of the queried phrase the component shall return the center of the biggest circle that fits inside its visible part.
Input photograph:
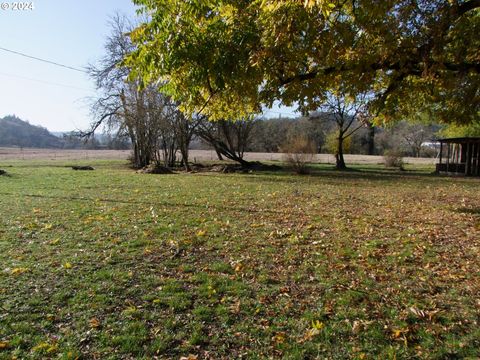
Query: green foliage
(227, 58)
(472, 130)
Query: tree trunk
(184, 152)
(418, 151)
(219, 154)
(340, 161)
(371, 139)
(246, 164)
(223, 150)
(172, 155)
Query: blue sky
(69, 32)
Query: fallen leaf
(189, 357)
(19, 270)
(235, 308)
(238, 267)
(318, 325)
(94, 323)
(418, 312)
(256, 225)
(44, 346)
(397, 333)
(201, 233)
(279, 337)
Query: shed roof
(460, 140)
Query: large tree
(152, 121)
(348, 114)
(227, 58)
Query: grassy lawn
(111, 264)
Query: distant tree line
(16, 132)
(321, 129)
(107, 141)
(231, 139)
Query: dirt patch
(155, 169)
(235, 168)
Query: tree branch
(467, 6)
(96, 124)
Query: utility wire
(84, 71)
(43, 81)
(43, 60)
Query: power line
(43, 81)
(43, 60)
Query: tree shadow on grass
(325, 173)
(470, 211)
(193, 205)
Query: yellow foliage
(331, 143)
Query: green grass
(110, 264)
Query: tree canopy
(228, 58)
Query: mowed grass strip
(111, 264)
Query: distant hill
(16, 132)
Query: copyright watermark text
(17, 6)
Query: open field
(110, 264)
(195, 155)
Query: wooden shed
(459, 156)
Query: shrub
(393, 158)
(299, 151)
